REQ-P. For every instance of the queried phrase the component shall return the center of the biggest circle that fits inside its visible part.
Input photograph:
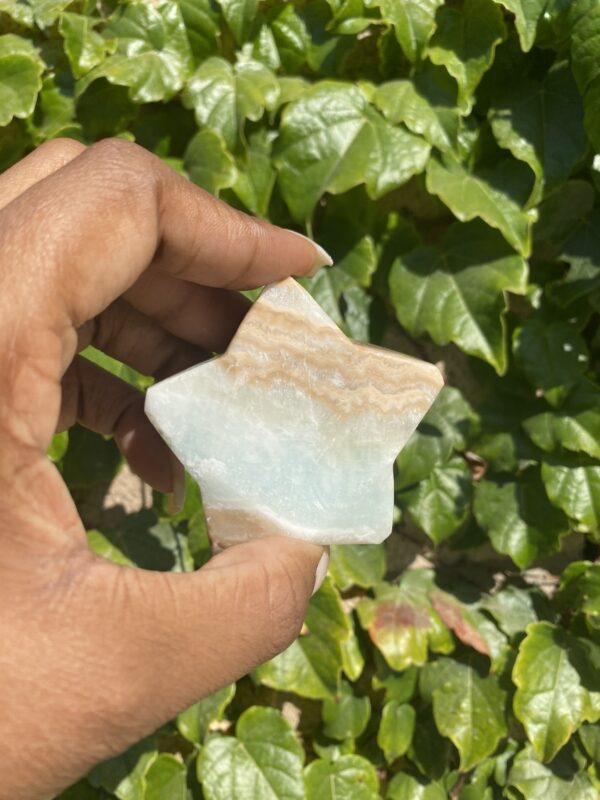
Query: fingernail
(177, 496)
(321, 572)
(322, 257)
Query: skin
(108, 246)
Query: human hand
(107, 246)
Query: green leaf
(201, 25)
(440, 503)
(590, 739)
(347, 778)
(399, 686)
(90, 459)
(262, 762)
(413, 21)
(208, 162)
(582, 254)
(239, 15)
(556, 781)
(426, 105)
(84, 47)
(58, 447)
(193, 723)
(443, 430)
(541, 123)
(528, 14)
(579, 589)
(256, 175)
(102, 546)
(331, 140)
(457, 293)
(408, 787)
(402, 623)
(312, 665)
(585, 42)
(489, 197)
(224, 96)
(396, 729)
(519, 518)
(513, 608)
(465, 41)
(166, 779)
(552, 354)
(345, 716)
(574, 426)
(291, 37)
(124, 775)
(576, 489)
(153, 56)
(469, 709)
(357, 565)
(20, 77)
(551, 700)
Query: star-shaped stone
(294, 430)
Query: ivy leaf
(553, 355)
(124, 775)
(357, 565)
(399, 686)
(256, 176)
(440, 503)
(85, 48)
(464, 42)
(490, 198)
(443, 430)
(312, 665)
(519, 518)
(468, 709)
(551, 700)
(402, 623)
(193, 723)
(153, 56)
(582, 253)
(103, 547)
(590, 739)
(413, 21)
(556, 781)
(574, 426)
(576, 489)
(456, 294)
(426, 105)
(263, 760)
(331, 140)
(528, 14)
(202, 26)
(20, 77)
(541, 123)
(513, 608)
(396, 729)
(223, 95)
(579, 589)
(208, 163)
(407, 787)
(239, 15)
(166, 779)
(467, 624)
(349, 777)
(346, 715)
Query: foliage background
(444, 153)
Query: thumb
(187, 634)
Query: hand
(108, 246)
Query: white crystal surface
(294, 430)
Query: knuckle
(61, 151)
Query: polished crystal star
(294, 430)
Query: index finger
(76, 240)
